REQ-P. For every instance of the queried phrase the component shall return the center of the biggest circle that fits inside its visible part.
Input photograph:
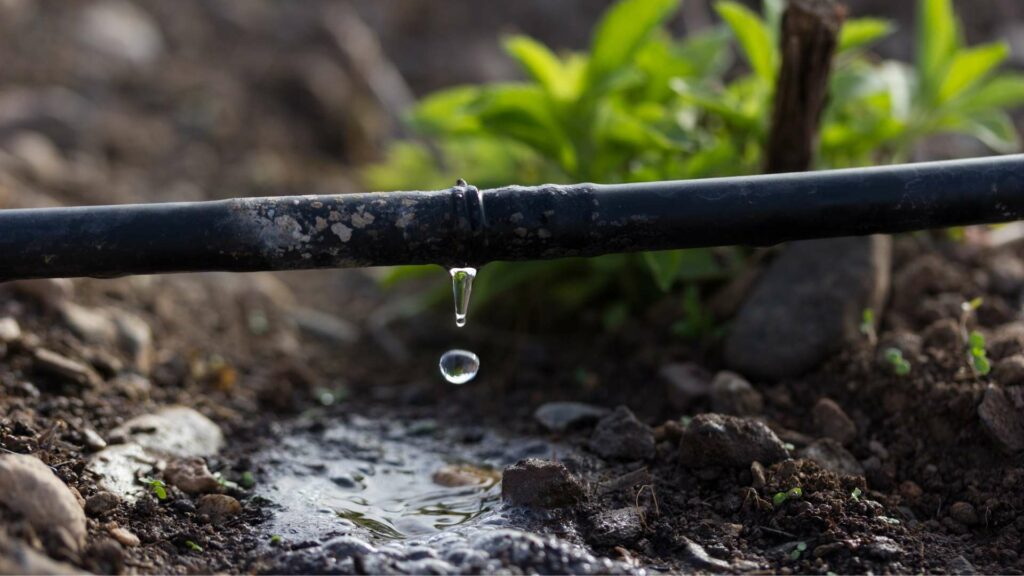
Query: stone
(47, 292)
(101, 503)
(732, 394)
(93, 441)
(90, 324)
(125, 537)
(808, 305)
(831, 455)
(172, 432)
(218, 507)
(10, 331)
(19, 558)
(564, 416)
(136, 339)
(347, 547)
(191, 475)
(1010, 371)
(620, 527)
(832, 422)
(728, 441)
(960, 565)
(540, 484)
(699, 558)
(175, 431)
(685, 384)
(964, 513)
(64, 368)
(121, 32)
(30, 488)
(1003, 422)
(620, 436)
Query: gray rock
(620, 436)
(348, 546)
(1006, 274)
(808, 305)
(30, 488)
(9, 330)
(68, 370)
(218, 507)
(732, 394)
(728, 441)
(699, 558)
(686, 384)
(1003, 421)
(93, 441)
(619, 527)
(564, 416)
(540, 484)
(832, 422)
(90, 324)
(1010, 371)
(191, 475)
(172, 432)
(831, 455)
(19, 558)
(101, 503)
(883, 548)
(121, 31)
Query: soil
(939, 480)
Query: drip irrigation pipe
(466, 226)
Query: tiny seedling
(158, 488)
(977, 355)
(799, 549)
(898, 364)
(867, 326)
(793, 493)
(193, 546)
(247, 480)
(276, 540)
(856, 494)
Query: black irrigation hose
(462, 225)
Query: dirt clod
(728, 441)
(540, 484)
(832, 421)
(218, 507)
(621, 436)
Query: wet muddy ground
(298, 423)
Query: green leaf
(543, 66)
(447, 112)
(521, 112)
(860, 32)
(753, 36)
(664, 267)
(937, 42)
(1002, 91)
(621, 32)
(993, 128)
(975, 340)
(969, 66)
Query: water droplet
(462, 288)
(459, 366)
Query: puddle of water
(351, 481)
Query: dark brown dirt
(257, 114)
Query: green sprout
(276, 540)
(899, 364)
(856, 494)
(248, 480)
(157, 487)
(977, 355)
(193, 546)
(795, 492)
(797, 551)
(867, 325)
(779, 498)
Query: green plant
(899, 365)
(977, 355)
(867, 325)
(193, 546)
(794, 493)
(642, 105)
(856, 494)
(157, 487)
(276, 540)
(797, 550)
(247, 480)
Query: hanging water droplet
(462, 288)
(459, 366)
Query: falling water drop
(459, 366)
(462, 288)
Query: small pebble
(218, 507)
(124, 536)
(964, 513)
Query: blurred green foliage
(642, 105)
